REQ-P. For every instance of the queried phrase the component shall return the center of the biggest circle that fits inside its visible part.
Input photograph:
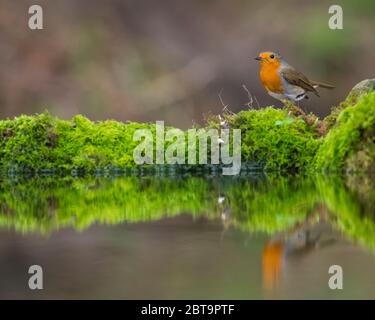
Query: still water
(249, 237)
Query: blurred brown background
(145, 60)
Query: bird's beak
(258, 58)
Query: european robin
(282, 81)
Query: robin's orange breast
(270, 77)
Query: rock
(361, 88)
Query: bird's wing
(296, 78)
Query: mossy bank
(350, 144)
(272, 139)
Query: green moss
(275, 138)
(33, 143)
(88, 145)
(350, 145)
(361, 89)
(28, 142)
(270, 138)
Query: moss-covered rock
(276, 138)
(350, 144)
(43, 142)
(271, 139)
(359, 90)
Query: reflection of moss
(363, 186)
(350, 144)
(48, 204)
(353, 217)
(253, 204)
(282, 203)
(274, 206)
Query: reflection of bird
(299, 240)
(282, 81)
(272, 260)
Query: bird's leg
(287, 103)
(293, 109)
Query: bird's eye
(272, 56)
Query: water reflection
(299, 240)
(285, 223)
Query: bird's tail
(322, 85)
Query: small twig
(256, 100)
(221, 99)
(250, 104)
(225, 106)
